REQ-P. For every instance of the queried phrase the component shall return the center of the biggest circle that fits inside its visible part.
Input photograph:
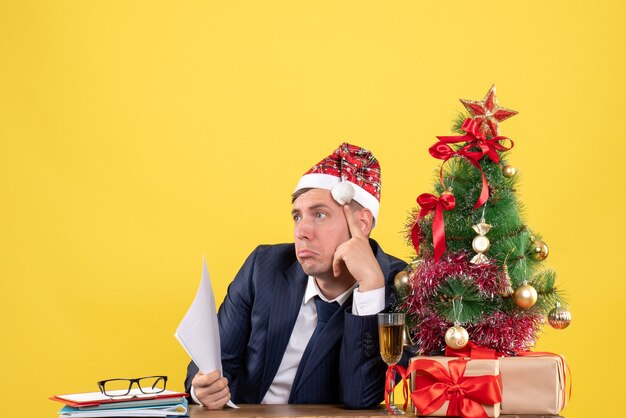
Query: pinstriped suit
(256, 320)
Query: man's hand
(211, 389)
(357, 256)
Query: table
(309, 411)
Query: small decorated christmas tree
(478, 273)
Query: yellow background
(137, 137)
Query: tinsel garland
(507, 332)
(504, 331)
(432, 274)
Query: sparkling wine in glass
(390, 333)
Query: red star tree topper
(488, 113)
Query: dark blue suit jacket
(256, 320)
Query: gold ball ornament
(401, 281)
(539, 250)
(457, 337)
(525, 296)
(559, 318)
(508, 171)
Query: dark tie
(325, 310)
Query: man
(298, 323)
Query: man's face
(319, 228)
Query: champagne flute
(390, 335)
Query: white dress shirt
(363, 303)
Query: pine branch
(547, 296)
(457, 122)
(459, 291)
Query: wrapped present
(533, 384)
(446, 386)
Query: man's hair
(354, 205)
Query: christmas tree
(479, 268)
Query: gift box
(533, 384)
(448, 386)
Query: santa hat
(350, 172)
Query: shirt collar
(312, 290)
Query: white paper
(99, 396)
(199, 332)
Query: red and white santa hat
(350, 172)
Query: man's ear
(366, 221)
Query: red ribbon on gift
(390, 384)
(474, 351)
(475, 139)
(428, 203)
(434, 385)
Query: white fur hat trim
(328, 182)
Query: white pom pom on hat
(342, 192)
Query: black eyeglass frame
(137, 380)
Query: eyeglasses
(148, 385)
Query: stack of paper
(135, 404)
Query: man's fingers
(353, 223)
(203, 380)
(337, 263)
(215, 395)
(219, 403)
(214, 400)
(218, 393)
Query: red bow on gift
(473, 351)
(475, 139)
(434, 385)
(429, 203)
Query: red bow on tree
(475, 139)
(434, 385)
(428, 203)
